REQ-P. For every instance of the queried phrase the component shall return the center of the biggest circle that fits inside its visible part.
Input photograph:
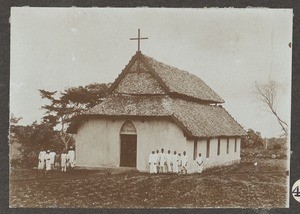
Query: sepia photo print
(150, 107)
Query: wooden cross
(139, 39)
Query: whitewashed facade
(98, 144)
(151, 106)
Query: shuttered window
(207, 148)
(235, 144)
(195, 149)
(227, 149)
(219, 145)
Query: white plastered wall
(223, 158)
(98, 141)
(98, 144)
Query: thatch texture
(148, 88)
(183, 82)
(172, 80)
(200, 120)
(206, 120)
(131, 106)
(139, 83)
(138, 67)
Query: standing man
(71, 158)
(152, 162)
(163, 161)
(63, 161)
(175, 162)
(199, 162)
(179, 163)
(157, 156)
(169, 161)
(184, 163)
(48, 161)
(41, 164)
(52, 158)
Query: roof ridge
(154, 73)
(123, 73)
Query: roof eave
(194, 99)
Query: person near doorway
(152, 162)
(157, 160)
(163, 161)
(199, 162)
(175, 162)
(169, 161)
(179, 163)
(184, 163)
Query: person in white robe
(152, 162)
(48, 161)
(199, 162)
(41, 164)
(169, 161)
(157, 156)
(179, 163)
(71, 158)
(162, 161)
(52, 158)
(175, 162)
(155, 161)
(184, 163)
(63, 161)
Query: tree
(267, 93)
(252, 139)
(64, 105)
(14, 145)
(31, 139)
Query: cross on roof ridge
(139, 39)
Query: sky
(230, 49)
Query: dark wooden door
(128, 151)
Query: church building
(151, 106)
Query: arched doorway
(128, 145)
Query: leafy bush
(252, 139)
(32, 139)
(277, 143)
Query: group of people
(51, 160)
(161, 162)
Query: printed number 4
(296, 192)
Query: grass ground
(240, 185)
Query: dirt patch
(242, 185)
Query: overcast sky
(230, 49)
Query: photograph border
(4, 93)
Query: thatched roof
(143, 72)
(196, 120)
(139, 83)
(148, 88)
(183, 82)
